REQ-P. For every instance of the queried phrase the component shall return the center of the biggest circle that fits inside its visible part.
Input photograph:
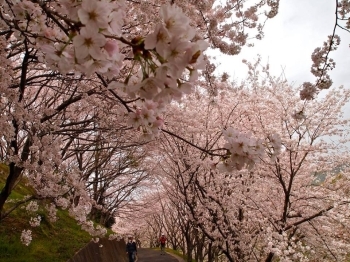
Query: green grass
(51, 242)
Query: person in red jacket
(162, 241)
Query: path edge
(180, 259)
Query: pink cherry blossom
(147, 116)
(115, 22)
(26, 237)
(176, 50)
(110, 104)
(88, 42)
(175, 21)
(91, 66)
(149, 88)
(135, 119)
(93, 14)
(159, 39)
(112, 48)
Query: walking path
(114, 250)
(151, 255)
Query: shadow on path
(150, 255)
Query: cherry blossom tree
(190, 169)
(112, 171)
(146, 225)
(85, 85)
(313, 137)
(274, 209)
(193, 243)
(72, 69)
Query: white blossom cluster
(32, 206)
(62, 202)
(344, 9)
(167, 70)
(147, 115)
(52, 212)
(80, 211)
(35, 221)
(244, 150)
(308, 91)
(97, 231)
(88, 50)
(285, 249)
(26, 237)
(88, 41)
(322, 64)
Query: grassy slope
(52, 242)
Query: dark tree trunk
(15, 172)
(269, 257)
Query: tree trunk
(189, 251)
(269, 257)
(13, 176)
(14, 173)
(210, 253)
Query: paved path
(150, 255)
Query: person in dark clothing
(131, 250)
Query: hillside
(52, 242)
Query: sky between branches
(290, 38)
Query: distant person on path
(131, 250)
(138, 243)
(162, 241)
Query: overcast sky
(291, 37)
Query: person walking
(131, 250)
(162, 241)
